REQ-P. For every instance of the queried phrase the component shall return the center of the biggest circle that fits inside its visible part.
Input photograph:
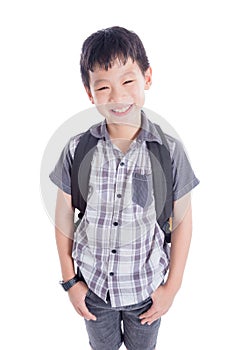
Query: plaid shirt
(118, 245)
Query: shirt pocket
(142, 189)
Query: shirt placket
(121, 171)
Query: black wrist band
(68, 284)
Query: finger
(78, 311)
(152, 310)
(150, 320)
(154, 320)
(87, 314)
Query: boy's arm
(180, 242)
(64, 231)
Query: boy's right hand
(77, 295)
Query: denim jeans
(115, 325)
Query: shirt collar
(148, 131)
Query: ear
(148, 78)
(90, 96)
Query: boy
(118, 246)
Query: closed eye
(102, 88)
(128, 81)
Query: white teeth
(121, 110)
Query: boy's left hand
(162, 300)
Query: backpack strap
(80, 172)
(162, 182)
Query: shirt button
(122, 164)
(115, 223)
(113, 251)
(119, 195)
(111, 273)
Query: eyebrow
(130, 72)
(99, 81)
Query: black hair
(103, 47)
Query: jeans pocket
(88, 293)
(141, 189)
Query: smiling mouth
(121, 111)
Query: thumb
(87, 314)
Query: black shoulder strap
(80, 172)
(162, 182)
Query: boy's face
(119, 91)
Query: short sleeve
(61, 175)
(184, 179)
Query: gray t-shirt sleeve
(61, 175)
(184, 179)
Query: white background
(190, 47)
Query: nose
(117, 95)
